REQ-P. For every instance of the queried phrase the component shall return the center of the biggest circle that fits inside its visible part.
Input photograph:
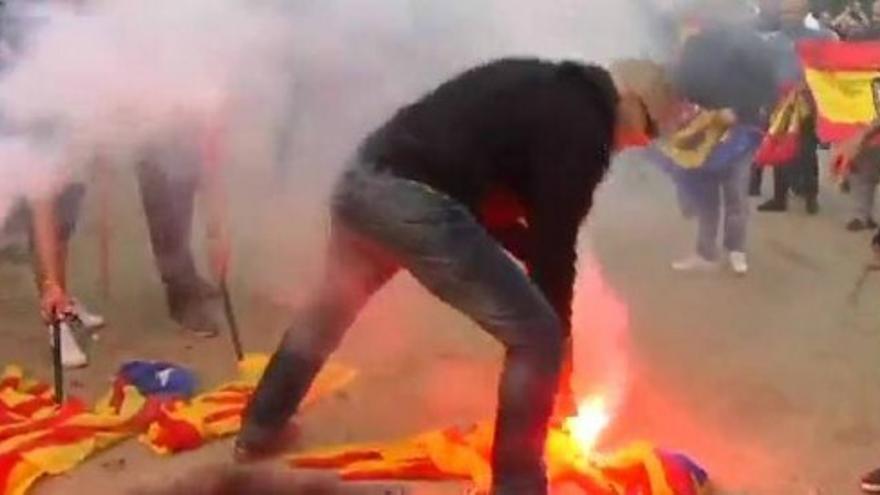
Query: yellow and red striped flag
(38, 438)
(844, 78)
(465, 453)
(186, 425)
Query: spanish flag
(844, 78)
(788, 122)
(464, 453)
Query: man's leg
(355, 268)
(443, 246)
(708, 209)
(782, 175)
(810, 174)
(734, 190)
(863, 189)
(168, 206)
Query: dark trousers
(380, 224)
(169, 203)
(801, 174)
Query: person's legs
(781, 184)
(863, 187)
(169, 204)
(756, 180)
(355, 268)
(734, 191)
(808, 163)
(708, 205)
(444, 247)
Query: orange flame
(592, 419)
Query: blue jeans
(381, 223)
(721, 197)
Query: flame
(592, 418)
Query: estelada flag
(844, 78)
(464, 453)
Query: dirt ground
(770, 381)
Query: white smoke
(114, 74)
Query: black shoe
(812, 206)
(773, 205)
(858, 225)
(250, 450)
(871, 224)
(871, 482)
(197, 308)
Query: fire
(592, 418)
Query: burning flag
(185, 425)
(845, 81)
(463, 453)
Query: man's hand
(843, 154)
(54, 302)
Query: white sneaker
(738, 262)
(72, 356)
(88, 319)
(694, 263)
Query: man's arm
(561, 196)
(213, 152)
(48, 270)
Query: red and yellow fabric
(464, 454)
(38, 438)
(700, 132)
(784, 133)
(844, 78)
(186, 425)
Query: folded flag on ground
(187, 424)
(39, 438)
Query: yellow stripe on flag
(845, 97)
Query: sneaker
(858, 225)
(738, 262)
(871, 482)
(773, 205)
(694, 263)
(72, 356)
(198, 310)
(89, 320)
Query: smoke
(114, 75)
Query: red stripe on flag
(830, 131)
(840, 56)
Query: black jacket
(542, 130)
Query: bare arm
(49, 261)
(213, 153)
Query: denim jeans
(381, 223)
(721, 197)
(169, 203)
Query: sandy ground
(770, 381)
